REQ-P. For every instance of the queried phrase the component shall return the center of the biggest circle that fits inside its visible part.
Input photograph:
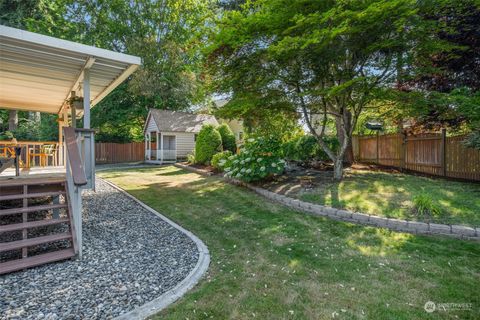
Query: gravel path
(131, 257)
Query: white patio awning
(37, 72)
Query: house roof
(38, 72)
(178, 121)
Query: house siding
(185, 143)
(151, 125)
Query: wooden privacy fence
(106, 152)
(434, 154)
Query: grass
(269, 262)
(392, 194)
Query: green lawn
(391, 195)
(269, 262)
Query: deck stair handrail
(86, 144)
(76, 179)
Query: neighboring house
(170, 135)
(317, 122)
(236, 126)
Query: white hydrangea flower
(231, 157)
(247, 160)
(282, 161)
(228, 169)
(274, 164)
(235, 161)
(251, 140)
(259, 159)
(238, 175)
(249, 171)
(242, 162)
(222, 162)
(243, 170)
(262, 169)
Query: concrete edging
(415, 227)
(172, 295)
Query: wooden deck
(35, 173)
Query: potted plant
(76, 102)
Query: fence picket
(427, 153)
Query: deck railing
(31, 152)
(76, 180)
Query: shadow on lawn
(247, 234)
(238, 206)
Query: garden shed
(170, 135)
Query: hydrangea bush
(220, 157)
(258, 159)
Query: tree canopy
(306, 58)
(163, 33)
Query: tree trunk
(338, 169)
(348, 157)
(12, 120)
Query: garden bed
(383, 192)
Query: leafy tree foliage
(316, 57)
(162, 33)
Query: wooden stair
(15, 198)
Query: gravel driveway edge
(185, 285)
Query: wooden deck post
(378, 162)
(86, 99)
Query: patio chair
(47, 151)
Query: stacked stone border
(415, 227)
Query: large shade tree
(318, 59)
(162, 32)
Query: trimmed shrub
(208, 143)
(306, 148)
(219, 159)
(257, 160)
(228, 138)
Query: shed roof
(178, 121)
(38, 72)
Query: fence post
(444, 152)
(377, 149)
(403, 148)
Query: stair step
(32, 209)
(32, 181)
(20, 264)
(32, 195)
(13, 245)
(32, 224)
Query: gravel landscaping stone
(131, 257)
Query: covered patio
(39, 73)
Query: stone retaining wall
(456, 231)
